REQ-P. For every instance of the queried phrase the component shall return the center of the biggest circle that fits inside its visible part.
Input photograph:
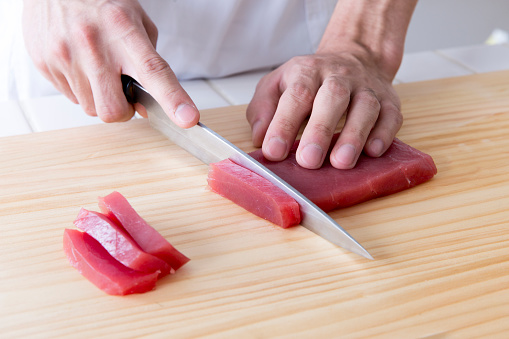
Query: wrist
(373, 31)
(386, 61)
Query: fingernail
(311, 155)
(185, 113)
(276, 148)
(376, 147)
(346, 155)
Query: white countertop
(56, 112)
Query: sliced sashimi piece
(399, 168)
(89, 257)
(117, 208)
(119, 244)
(254, 193)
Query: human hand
(325, 87)
(83, 47)
(350, 74)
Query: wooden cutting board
(441, 249)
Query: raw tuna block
(254, 193)
(88, 256)
(401, 167)
(118, 243)
(118, 209)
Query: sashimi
(254, 193)
(88, 256)
(118, 243)
(117, 208)
(399, 168)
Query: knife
(210, 147)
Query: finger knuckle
(154, 65)
(287, 125)
(86, 35)
(335, 87)
(173, 94)
(110, 112)
(358, 129)
(117, 15)
(395, 114)
(301, 92)
(398, 119)
(368, 98)
(60, 51)
(357, 133)
(323, 129)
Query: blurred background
(438, 24)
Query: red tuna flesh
(88, 256)
(401, 167)
(254, 193)
(118, 209)
(118, 243)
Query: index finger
(156, 75)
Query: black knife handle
(128, 87)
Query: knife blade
(210, 147)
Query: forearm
(374, 28)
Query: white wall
(438, 24)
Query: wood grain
(441, 249)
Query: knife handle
(128, 88)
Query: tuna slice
(254, 193)
(400, 168)
(118, 209)
(119, 244)
(88, 256)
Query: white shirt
(203, 38)
(198, 38)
